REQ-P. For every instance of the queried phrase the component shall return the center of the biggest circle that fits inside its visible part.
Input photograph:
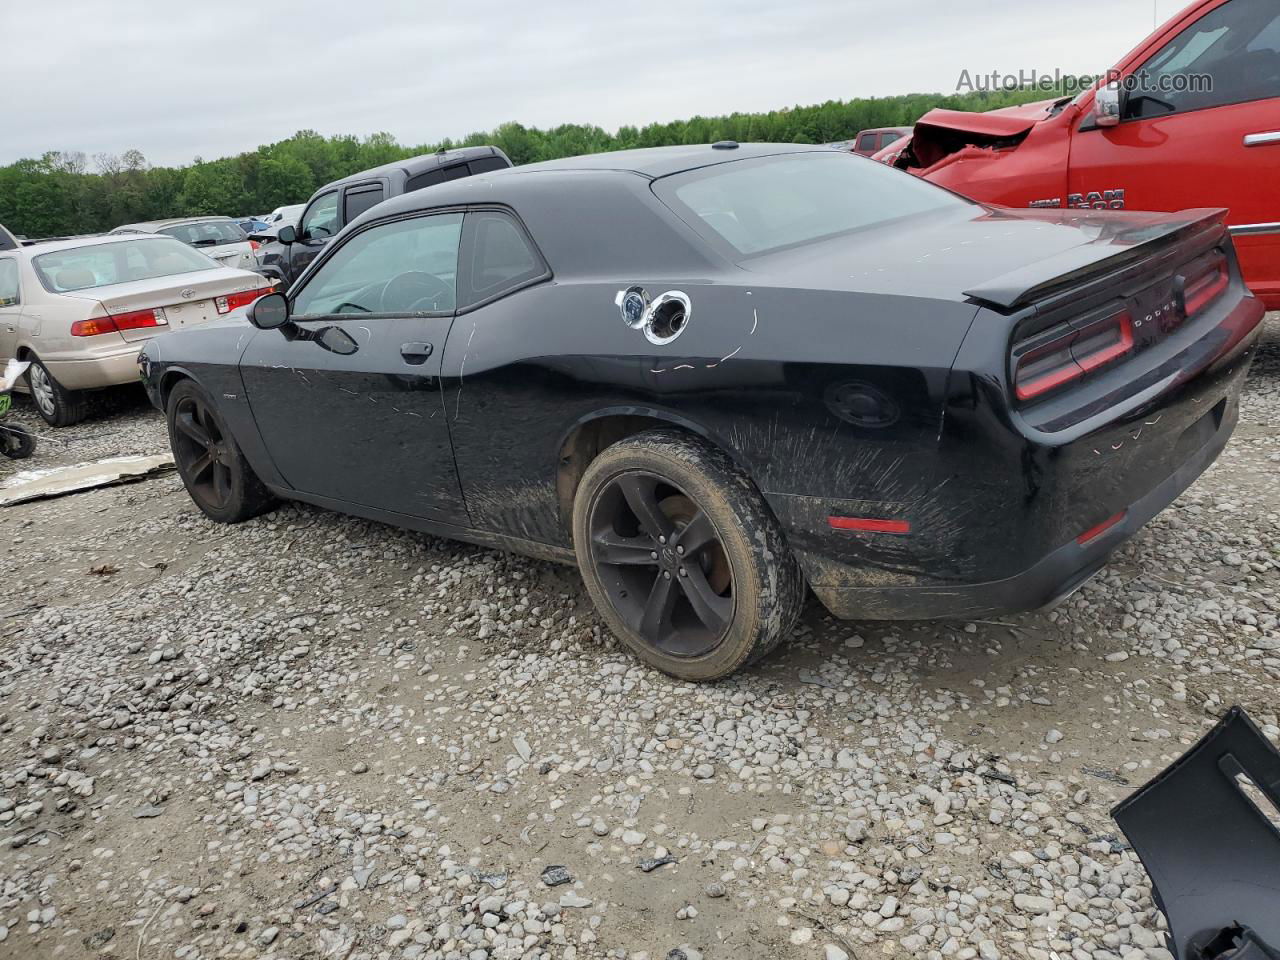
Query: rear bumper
(1046, 582)
(998, 528)
(93, 373)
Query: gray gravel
(312, 736)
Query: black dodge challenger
(718, 376)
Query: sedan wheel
(682, 557)
(58, 406)
(213, 468)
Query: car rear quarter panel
(778, 378)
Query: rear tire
(682, 557)
(58, 406)
(218, 478)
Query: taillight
(133, 320)
(1056, 357)
(233, 301)
(1205, 285)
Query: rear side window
(488, 165)
(497, 257)
(430, 178)
(867, 141)
(888, 138)
(209, 234)
(360, 199)
(9, 283)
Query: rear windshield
(761, 205)
(103, 264)
(209, 234)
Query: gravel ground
(313, 736)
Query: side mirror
(1108, 104)
(269, 312)
(287, 234)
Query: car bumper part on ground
(91, 373)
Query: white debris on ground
(311, 736)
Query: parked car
(252, 225)
(288, 214)
(78, 310)
(218, 237)
(286, 253)
(871, 141)
(711, 375)
(1192, 120)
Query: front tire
(682, 557)
(58, 406)
(213, 468)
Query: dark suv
(333, 206)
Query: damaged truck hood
(998, 124)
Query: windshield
(757, 206)
(211, 233)
(103, 264)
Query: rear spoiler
(1120, 243)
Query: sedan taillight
(1062, 354)
(234, 300)
(114, 323)
(1205, 285)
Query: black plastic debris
(1207, 832)
(555, 875)
(653, 863)
(1103, 774)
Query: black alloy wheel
(202, 453)
(662, 563)
(682, 556)
(217, 476)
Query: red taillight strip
(1092, 361)
(114, 323)
(233, 301)
(869, 525)
(1050, 381)
(1093, 533)
(1205, 289)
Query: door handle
(1261, 139)
(415, 353)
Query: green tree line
(67, 193)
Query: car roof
(69, 243)
(654, 162)
(151, 226)
(411, 166)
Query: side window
(488, 165)
(400, 268)
(430, 178)
(888, 138)
(321, 219)
(1230, 55)
(497, 256)
(867, 141)
(9, 296)
(359, 199)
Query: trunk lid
(995, 256)
(187, 299)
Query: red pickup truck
(1190, 118)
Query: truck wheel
(58, 406)
(682, 557)
(213, 469)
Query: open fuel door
(1206, 830)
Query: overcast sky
(184, 78)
